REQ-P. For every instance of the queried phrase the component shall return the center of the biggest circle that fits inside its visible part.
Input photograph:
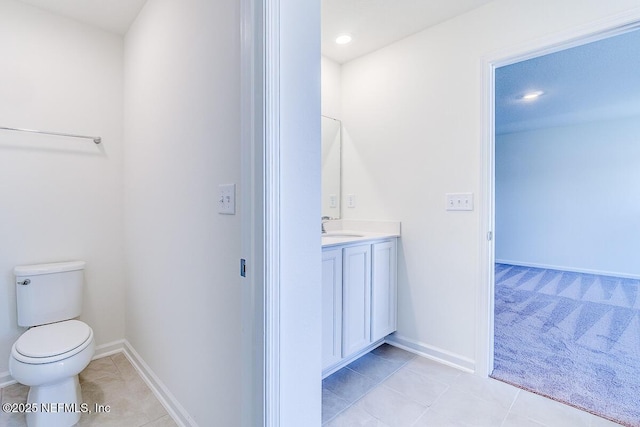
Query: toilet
(49, 356)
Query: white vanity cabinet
(331, 307)
(358, 299)
(383, 289)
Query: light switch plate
(333, 201)
(351, 200)
(459, 201)
(227, 199)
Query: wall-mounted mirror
(331, 167)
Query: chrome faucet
(323, 220)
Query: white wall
(412, 114)
(331, 106)
(331, 88)
(331, 167)
(565, 197)
(182, 125)
(61, 197)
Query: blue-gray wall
(569, 197)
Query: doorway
(561, 282)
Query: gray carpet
(570, 336)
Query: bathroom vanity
(359, 288)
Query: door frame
(280, 108)
(598, 30)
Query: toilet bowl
(49, 356)
(48, 359)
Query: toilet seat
(52, 342)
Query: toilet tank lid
(55, 267)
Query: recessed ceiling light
(530, 96)
(344, 39)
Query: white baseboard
(6, 379)
(430, 352)
(108, 349)
(170, 403)
(168, 400)
(571, 269)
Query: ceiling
(115, 16)
(595, 81)
(377, 23)
(372, 23)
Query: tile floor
(390, 387)
(108, 381)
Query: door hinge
(243, 267)
(490, 236)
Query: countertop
(341, 232)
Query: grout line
(437, 399)
(380, 383)
(419, 374)
(356, 400)
(513, 402)
(367, 393)
(416, 372)
(421, 415)
(377, 384)
(117, 368)
(340, 411)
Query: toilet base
(56, 405)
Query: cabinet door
(331, 307)
(383, 289)
(356, 299)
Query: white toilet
(49, 356)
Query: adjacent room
(567, 312)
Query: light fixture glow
(343, 39)
(530, 96)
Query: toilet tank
(48, 293)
